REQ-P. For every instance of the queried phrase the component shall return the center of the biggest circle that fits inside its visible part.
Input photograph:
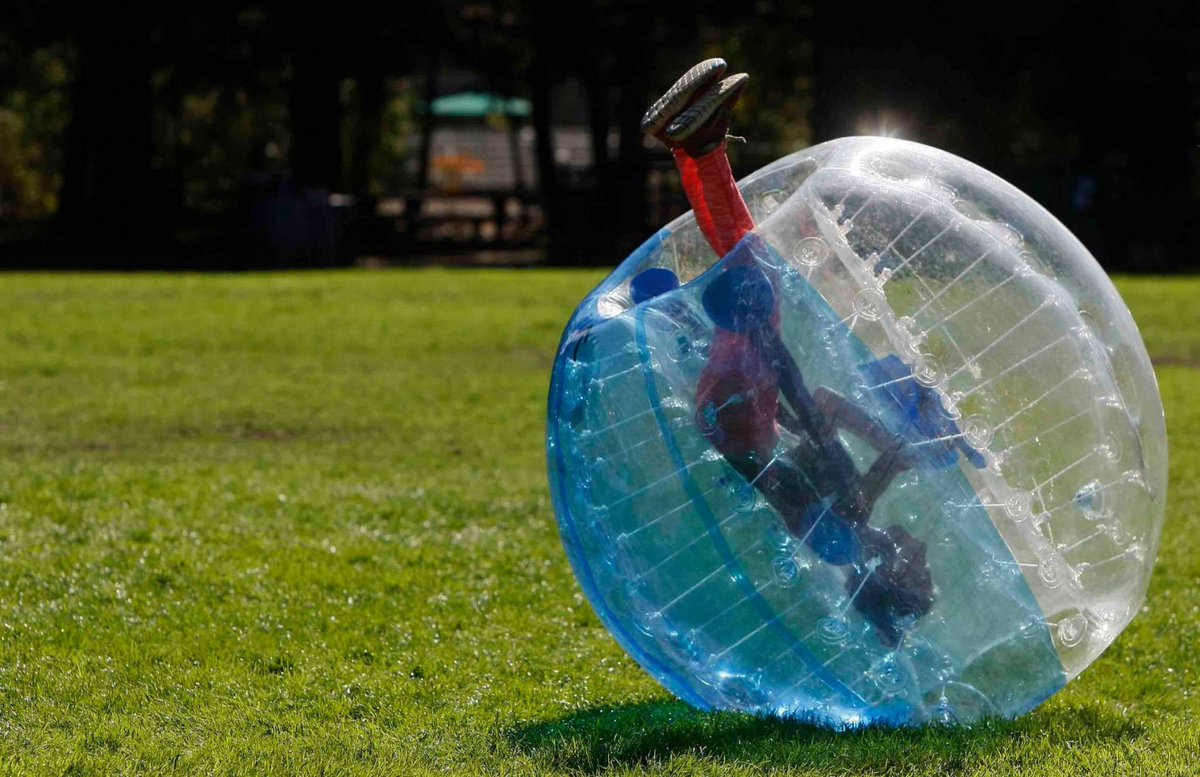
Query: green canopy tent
(479, 105)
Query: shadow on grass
(600, 739)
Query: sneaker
(704, 123)
(679, 96)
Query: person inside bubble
(752, 402)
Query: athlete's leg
(722, 214)
(737, 395)
(692, 119)
(895, 455)
(737, 398)
(663, 112)
(891, 585)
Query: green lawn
(299, 523)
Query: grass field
(299, 523)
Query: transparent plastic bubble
(977, 431)
(1017, 505)
(1071, 630)
(868, 304)
(812, 251)
(898, 457)
(833, 630)
(927, 372)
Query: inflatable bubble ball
(898, 457)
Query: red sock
(721, 213)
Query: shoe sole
(721, 97)
(694, 81)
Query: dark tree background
(236, 134)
